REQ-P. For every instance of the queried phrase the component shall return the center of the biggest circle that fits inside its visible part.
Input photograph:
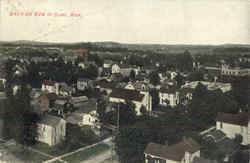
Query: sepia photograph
(124, 81)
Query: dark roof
(127, 94)
(51, 96)
(168, 90)
(105, 84)
(49, 82)
(241, 119)
(185, 91)
(175, 152)
(50, 120)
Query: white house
(234, 124)
(169, 97)
(50, 86)
(115, 69)
(83, 84)
(183, 152)
(52, 130)
(138, 98)
(234, 71)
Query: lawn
(86, 154)
(27, 155)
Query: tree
(154, 78)
(155, 97)
(20, 121)
(132, 75)
(101, 110)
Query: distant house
(50, 86)
(233, 125)
(234, 71)
(105, 86)
(125, 69)
(183, 152)
(65, 90)
(81, 53)
(78, 100)
(86, 115)
(3, 79)
(139, 99)
(115, 69)
(83, 84)
(52, 130)
(82, 65)
(107, 63)
(2, 94)
(186, 95)
(169, 97)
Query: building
(50, 86)
(115, 69)
(183, 152)
(52, 130)
(138, 98)
(169, 97)
(234, 71)
(211, 86)
(83, 84)
(78, 100)
(233, 125)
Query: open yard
(85, 154)
(24, 155)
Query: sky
(127, 21)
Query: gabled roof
(50, 120)
(127, 94)
(241, 119)
(174, 152)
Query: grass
(86, 154)
(27, 155)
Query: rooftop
(241, 119)
(50, 120)
(175, 152)
(127, 94)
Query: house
(78, 100)
(183, 152)
(169, 97)
(211, 86)
(81, 53)
(233, 125)
(2, 94)
(3, 79)
(65, 90)
(138, 98)
(234, 71)
(186, 95)
(86, 115)
(83, 84)
(115, 69)
(104, 85)
(50, 86)
(52, 130)
(125, 69)
(81, 65)
(107, 63)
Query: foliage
(154, 78)
(155, 97)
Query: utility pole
(116, 132)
